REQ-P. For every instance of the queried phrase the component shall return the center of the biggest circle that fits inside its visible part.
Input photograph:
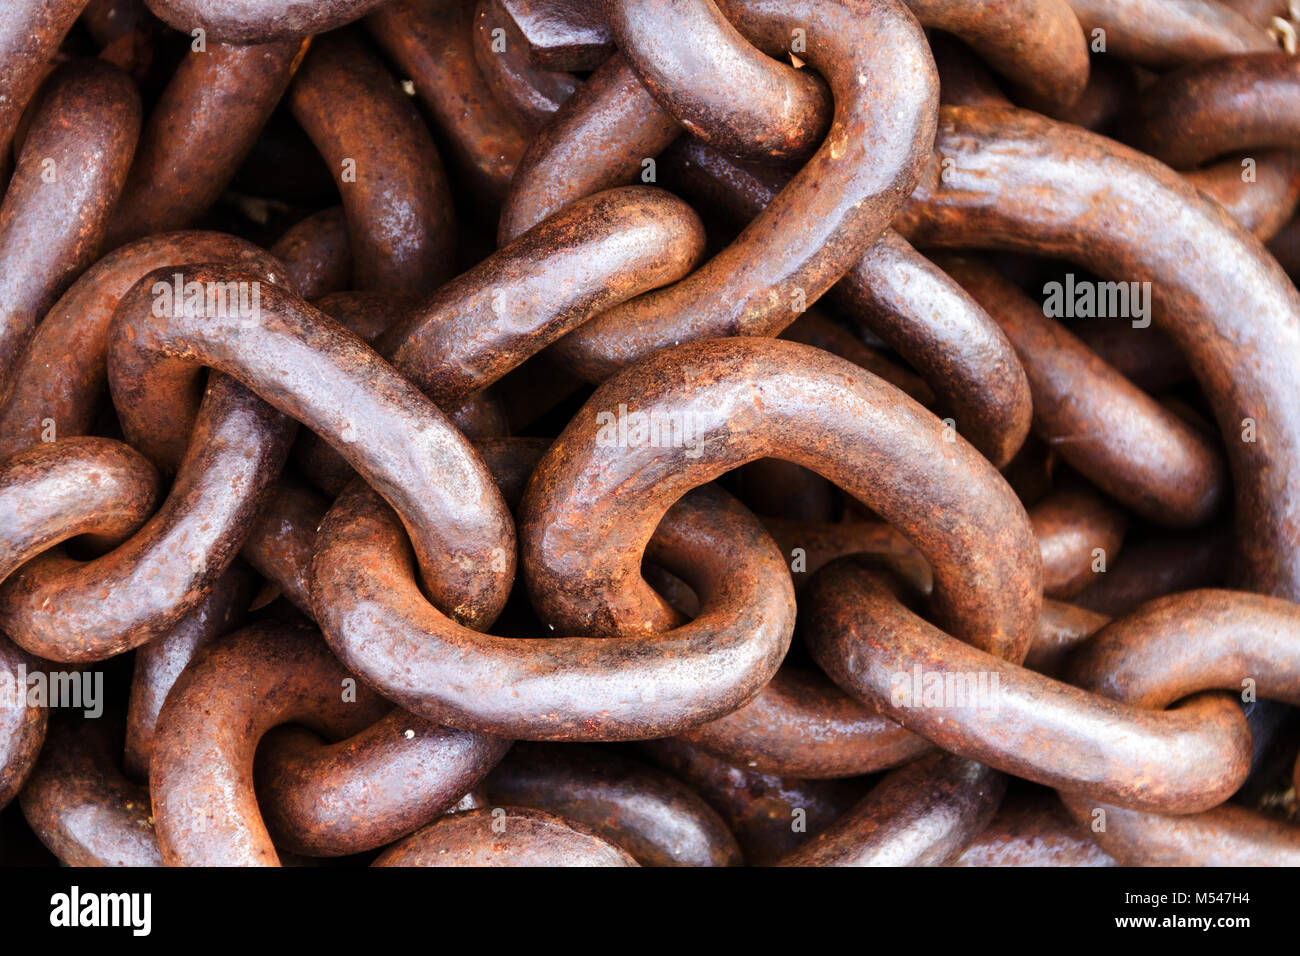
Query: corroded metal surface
(345, 393)
(558, 275)
(560, 688)
(161, 661)
(1142, 453)
(1232, 104)
(69, 175)
(1036, 727)
(63, 375)
(30, 34)
(833, 210)
(1239, 327)
(81, 805)
(657, 819)
(1032, 830)
(205, 810)
(1169, 650)
(432, 43)
(919, 815)
(669, 377)
(747, 398)
(22, 724)
(905, 299)
(1163, 34)
(395, 193)
(259, 21)
(370, 789)
(71, 610)
(198, 133)
(524, 838)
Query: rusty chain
(631, 433)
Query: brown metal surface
(657, 819)
(259, 21)
(69, 175)
(597, 140)
(69, 610)
(923, 814)
(633, 686)
(747, 398)
(395, 193)
(81, 805)
(561, 34)
(1072, 522)
(316, 254)
(160, 662)
(1166, 651)
(385, 428)
(692, 60)
(1032, 830)
(884, 85)
(801, 496)
(1048, 71)
(370, 789)
(531, 95)
(1030, 725)
(22, 723)
(201, 773)
(52, 492)
(511, 837)
(30, 34)
(1105, 428)
(431, 43)
(1163, 34)
(905, 299)
(769, 815)
(1264, 202)
(1155, 565)
(1206, 109)
(198, 133)
(803, 725)
(1239, 327)
(63, 375)
(570, 267)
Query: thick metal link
(1008, 191)
(786, 403)
(1036, 727)
(69, 175)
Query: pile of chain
(617, 432)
